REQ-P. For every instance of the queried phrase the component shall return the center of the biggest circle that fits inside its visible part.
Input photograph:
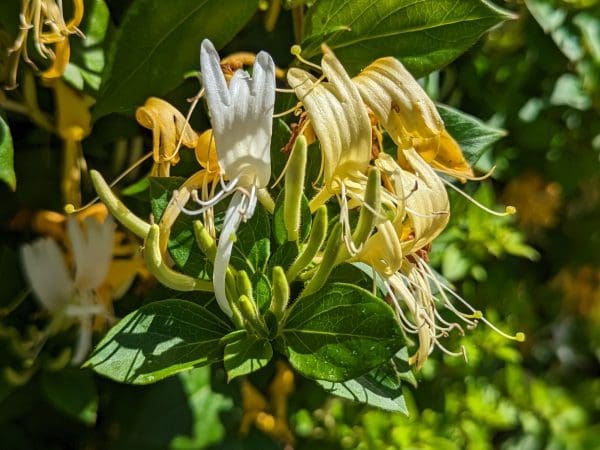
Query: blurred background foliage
(538, 78)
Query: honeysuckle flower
(72, 291)
(241, 115)
(339, 118)
(45, 20)
(409, 116)
(201, 185)
(169, 127)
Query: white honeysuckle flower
(72, 292)
(242, 119)
(241, 115)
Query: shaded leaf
(340, 333)
(425, 35)
(73, 392)
(7, 167)
(158, 42)
(245, 355)
(472, 134)
(159, 340)
(380, 388)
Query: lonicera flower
(168, 127)
(241, 116)
(72, 292)
(45, 20)
(409, 116)
(339, 119)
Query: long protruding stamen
(510, 210)
(296, 50)
(519, 337)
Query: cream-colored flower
(409, 116)
(339, 119)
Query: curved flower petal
(427, 204)
(233, 218)
(338, 116)
(409, 115)
(241, 115)
(92, 250)
(47, 273)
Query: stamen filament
(510, 210)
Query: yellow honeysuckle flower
(339, 119)
(62, 52)
(269, 416)
(201, 184)
(409, 116)
(169, 127)
(45, 20)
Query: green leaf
(159, 340)
(7, 167)
(380, 388)
(158, 42)
(87, 55)
(472, 134)
(340, 333)
(253, 244)
(425, 35)
(245, 355)
(73, 392)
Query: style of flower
(72, 292)
(241, 115)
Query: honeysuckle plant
(278, 270)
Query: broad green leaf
(472, 134)
(73, 392)
(425, 35)
(381, 388)
(158, 42)
(7, 168)
(340, 333)
(88, 55)
(245, 355)
(159, 340)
